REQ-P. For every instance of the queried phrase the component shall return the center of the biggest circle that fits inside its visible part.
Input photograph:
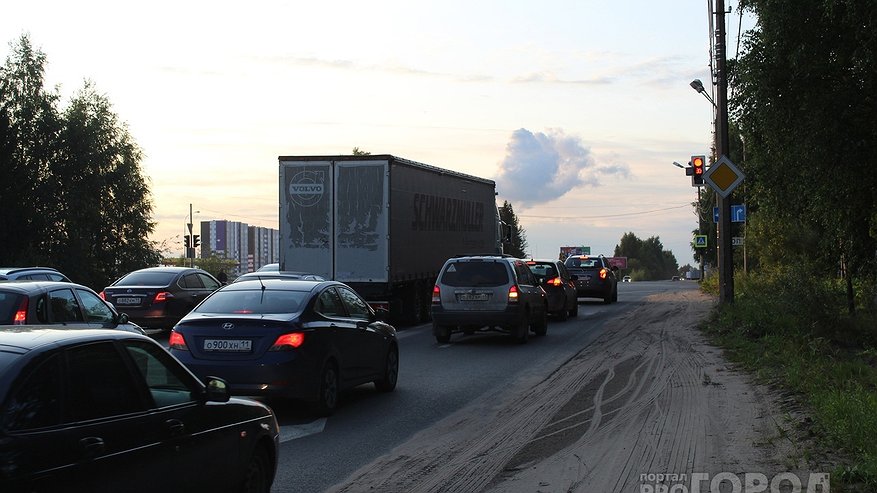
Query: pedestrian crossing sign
(699, 241)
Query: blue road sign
(738, 214)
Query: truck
(383, 225)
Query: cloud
(542, 167)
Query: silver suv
(488, 292)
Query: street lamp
(697, 85)
(678, 165)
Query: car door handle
(175, 427)
(92, 446)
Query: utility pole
(191, 252)
(726, 259)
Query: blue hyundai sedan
(292, 338)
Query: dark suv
(488, 292)
(595, 278)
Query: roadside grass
(796, 334)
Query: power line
(605, 216)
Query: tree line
(72, 191)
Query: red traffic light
(697, 162)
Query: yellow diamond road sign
(723, 176)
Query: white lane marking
(294, 432)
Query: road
(483, 413)
(436, 380)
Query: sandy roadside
(649, 397)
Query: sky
(576, 108)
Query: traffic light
(196, 240)
(187, 242)
(698, 164)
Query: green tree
(803, 95)
(71, 188)
(517, 247)
(357, 152)
(646, 259)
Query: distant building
(250, 247)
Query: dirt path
(649, 397)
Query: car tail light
(603, 273)
(177, 341)
(436, 295)
(287, 342)
(554, 282)
(21, 315)
(513, 294)
(162, 296)
(102, 296)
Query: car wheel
(442, 333)
(328, 398)
(562, 314)
(257, 477)
(391, 371)
(575, 309)
(540, 327)
(523, 330)
(615, 294)
(608, 298)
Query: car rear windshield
(543, 271)
(584, 263)
(475, 273)
(257, 301)
(147, 279)
(9, 303)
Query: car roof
(15, 270)
(279, 283)
(27, 286)
(23, 338)
(274, 274)
(166, 269)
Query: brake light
(513, 294)
(21, 315)
(177, 341)
(287, 342)
(555, 282)
(436, 295)
(603, 273)
(162, 297)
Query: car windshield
(147, 279)
(475, 274)
(543, 271)
(257, 301)
(9, 303)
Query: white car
(625, 279)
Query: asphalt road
(435, 380)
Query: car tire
(574, 312)
(391, 371)
(562, 314)
(540, 327)
(442, 333)
(608, 298)
(329, 391)
(615, 294)
(523, 329)
(257, 477)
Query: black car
(56, 302)
(289, 338)
(488, 292)
(31, 274)
(158, 297)
(595, 277)
(559, 286)
(109, 411)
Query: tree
(357, 152)
(72, 194)
(517, 246)
(804, 99)
(647, 259)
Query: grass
(817, 353)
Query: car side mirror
(382, 314)
(217, 390)
(121, 319)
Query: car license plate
(473, 297)
(127, 301)
(229, 345)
